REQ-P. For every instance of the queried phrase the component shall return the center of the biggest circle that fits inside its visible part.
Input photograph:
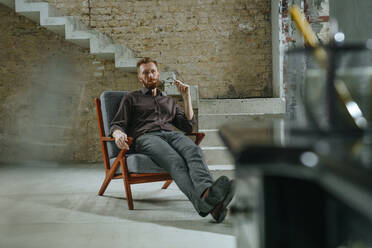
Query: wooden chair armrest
(199, 137)
(194, 134)
(191, 134)
(107, 139)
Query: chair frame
(128, 178)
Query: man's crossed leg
(184, 161)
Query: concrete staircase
(75, 31)
(213, 113)
(99, 44)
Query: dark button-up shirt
(141, 112)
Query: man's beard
(151, 85)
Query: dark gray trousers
(182, 159)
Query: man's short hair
(145, 61)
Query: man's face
(149, 75)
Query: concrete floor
(53, 205)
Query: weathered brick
(47, 90)
(181, 26)
(201, 40)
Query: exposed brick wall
(222, 46)
(47, 87)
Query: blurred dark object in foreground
(300, 187)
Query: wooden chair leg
(104, 186)
(128, 192)
(108, 178)
(166, 184)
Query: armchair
(132, 168)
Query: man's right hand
(121, 139)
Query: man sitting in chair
(149, 116)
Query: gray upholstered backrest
(110, 101)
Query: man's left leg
(194, 158)
(155, 146)
(218, 193)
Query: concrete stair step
(214, 121)
(214, 113)
(217, 155)
(127, 64)
(221, 168)
(212, 138)
(33, 11)
(77, 33)
(80, 37)
(248, 106)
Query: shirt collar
(146, 91)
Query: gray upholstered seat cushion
(139, 163)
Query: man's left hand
(184, 89)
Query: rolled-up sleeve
(181, 122)
(122, 117)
